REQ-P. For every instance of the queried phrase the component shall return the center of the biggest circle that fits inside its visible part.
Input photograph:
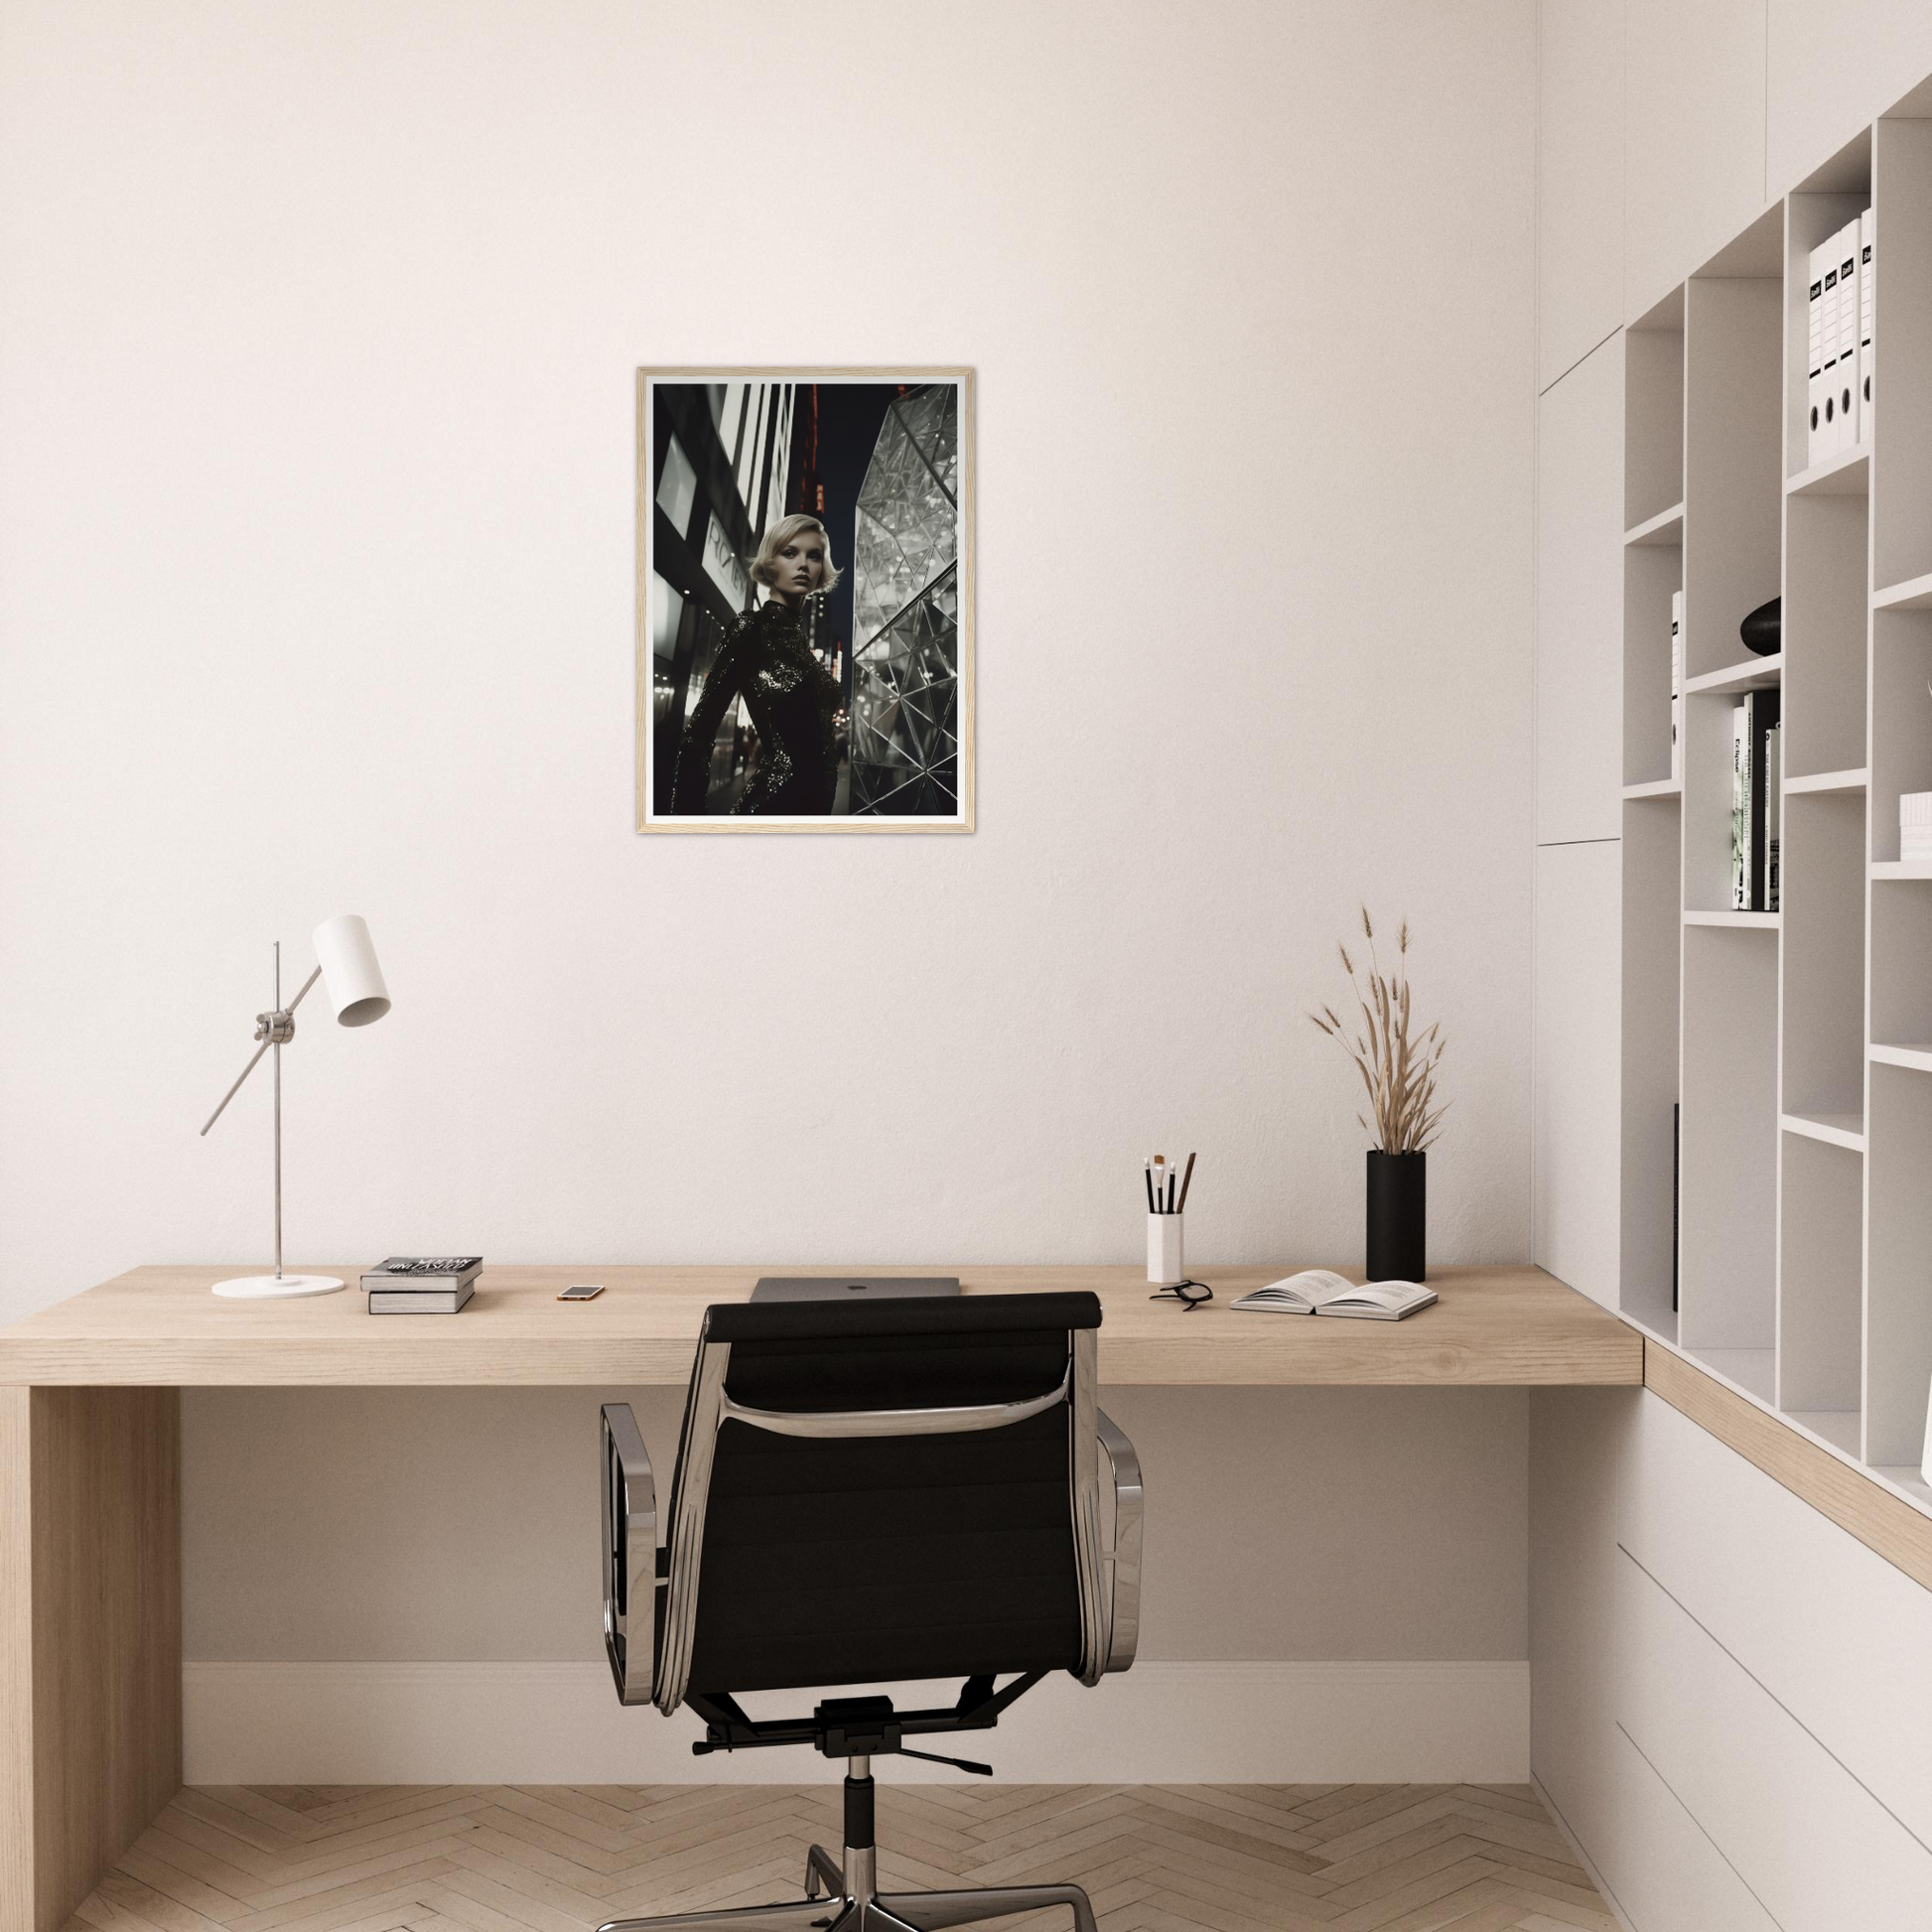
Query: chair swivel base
(850, 1904)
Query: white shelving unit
(1797, 1043)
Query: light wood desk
(89, 1461)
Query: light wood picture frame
(769, 699)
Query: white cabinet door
(1580, 602)
(1818, 1851)
(1834, 65)
(1782, 1587)
(1579, 179)
(1693, 137)
(1661, 1868)
(1575, 1111)
(1577, 1446)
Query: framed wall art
(805, 600)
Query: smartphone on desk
(582, 1292)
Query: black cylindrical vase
(1398, 1216)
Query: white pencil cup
(1164, 1262)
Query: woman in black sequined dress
(794, 702)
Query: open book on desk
(1320, 1291)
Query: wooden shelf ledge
(1860, 1498)
(1656, 788)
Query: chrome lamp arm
(273, 1028)
(1124, 1559)
(630, 1555)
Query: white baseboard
(560, 1724)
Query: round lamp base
(276, 1288)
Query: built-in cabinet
(1574, 1128)
(1728, 1689)
(1777, 1063)
(1580, 181)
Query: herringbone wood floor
(561, 1858)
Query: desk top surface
(160, 1327)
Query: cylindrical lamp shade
(350, 975)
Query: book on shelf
(1847, 337)
(1773, 808)
(1740, 810)
(1762, 719)
(1751, 723)
(423, 1274)
(1868, 235)
(1320, 1291)
(1815, 358)
(1677, 687)
(420, 1300)
(1826, 260)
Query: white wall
(1281, 1523)
(317, 335)
(315, 489)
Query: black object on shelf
(1764, 630)
(1398, 1216)
(1676, 1192)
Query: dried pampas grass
(1398, 1071)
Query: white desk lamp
(345, 965)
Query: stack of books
(1677, 687)
(1755, 831)
(1839, 326)
(422, 1284)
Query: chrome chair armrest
(630, 1555)
(1124, 1559)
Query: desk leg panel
(89, 1638)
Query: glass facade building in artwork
(723, 458)
(904, 746)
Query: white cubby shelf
(1738, 921)
(1844, 474)
(1664, 531)
(1915, 593)
(1753, 674)
(1835, 1129)
(1917, 1058)
(1775, 1102)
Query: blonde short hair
(765, 564)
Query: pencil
(1186, 1181)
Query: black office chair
(865, 1494)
